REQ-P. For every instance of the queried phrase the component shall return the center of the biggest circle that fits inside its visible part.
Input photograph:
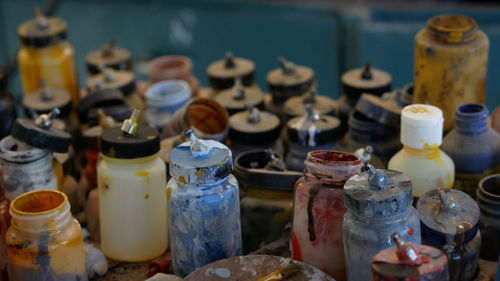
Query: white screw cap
(421, 126)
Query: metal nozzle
(309, 97)
(288, 67)
(41, 20)
(105, 121)
(377, 178)
(229, 60)
(109, 76)
(130, 125)
(107, 50)
(238, 89)
(366, 74)
(47, 94)
(44, 121)
(274, 163)
(199, 148)
(447, 203)
(253, 114)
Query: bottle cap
(112, 79)
(109, 56)
(98, 99)
(222, 73)
(365, 80)
(46, 99)
(295, 106)
(200, 161)
(238, 97)
(384, 110)
(254, 127)
(42, 31)
(421, 126)
(289, 80)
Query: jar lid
(289, 80)
(250, 170)
(112, 79)
(365, 80)
(169, 93)
(131, 140)
(200, 161)
(98, 99)
(221, 74)
(45, 100)
(313, 129)
(238, 97)
(442, 210)
(295, 106)
(109, 56)
(42, 31)
(254, 127)
(41, 134)
(384, 110)
(378, 193)
(421, 126)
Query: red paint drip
(410, 231)
(297, 255)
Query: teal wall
(328, 37)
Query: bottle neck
(16, 152)
(42, 211)
(471, 119)
(333, 168)
(429, 153)
(452, 29)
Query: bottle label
(467, 182)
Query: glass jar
(488, 199)
(268, 206)
(473, 146)
(44, 241)
(378, 203)
(421, 158)
(109, 56)
(174, 68)
(454, 46)
(204, 205)
(450, 221)
(132, 203)
(46, 55)
(318, 208)
(8, 110)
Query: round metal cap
(113, 79)
(45, 100)
(236, 100)
(116, 144)
(109, 56)
(42, 31)
(254, 127)
(51, 139)
(383, 110)
(222, 73)
(295, 106)
(314, 132)
(289, 80)
(365, 80)
(100, 98)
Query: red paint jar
(319, 208)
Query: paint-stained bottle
(204, 206)
(131, 181)
(44, 241)
(421, 157)
(319, 208)
(473, 146)
(378, 203)
(451, 54)
(46, 54)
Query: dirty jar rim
(483, 191)
(462, 32)
(175, 92)
(169, 67)
(320, 157)
(62, 202)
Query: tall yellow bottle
(451, 54)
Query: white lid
(421, 126)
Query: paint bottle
(454, 46)
(204, 205)
(268, 207)
(118, 80)
(310, 132)
(407, 261)
(358, 81)
(406, 95)
(238, 98)
(319, 208)
(132, 203)
(254, 129)
(488, 199)
(378, 203)
(174, 68)
(222, 73)
(473, 146)
(296, 106)
(450, 221)
(109, 56)
(8, 110)
(363, 131)
(421, 158)
(44, 241)
(163, 99)
(46, 54)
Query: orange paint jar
(44, 241)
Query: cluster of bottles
(299, 158)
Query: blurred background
(329, 36)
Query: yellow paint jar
(451, 54)
(44, 241)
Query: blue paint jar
(204, 208)
(449, 220)
(473, 146)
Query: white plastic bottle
(421, 158)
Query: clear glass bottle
(488, 199)
(204, 205)
(378, 203)
(46, 54)
(44, 241)
(473, 146)
(454, 46)
(132, 203)
(421, 158)
(318, 208)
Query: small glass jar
(318, 208)
(132, 203)
(488, 199)
(204, 205)
(44, 241)
(174, 68)
(46, 54)
(378, 203)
